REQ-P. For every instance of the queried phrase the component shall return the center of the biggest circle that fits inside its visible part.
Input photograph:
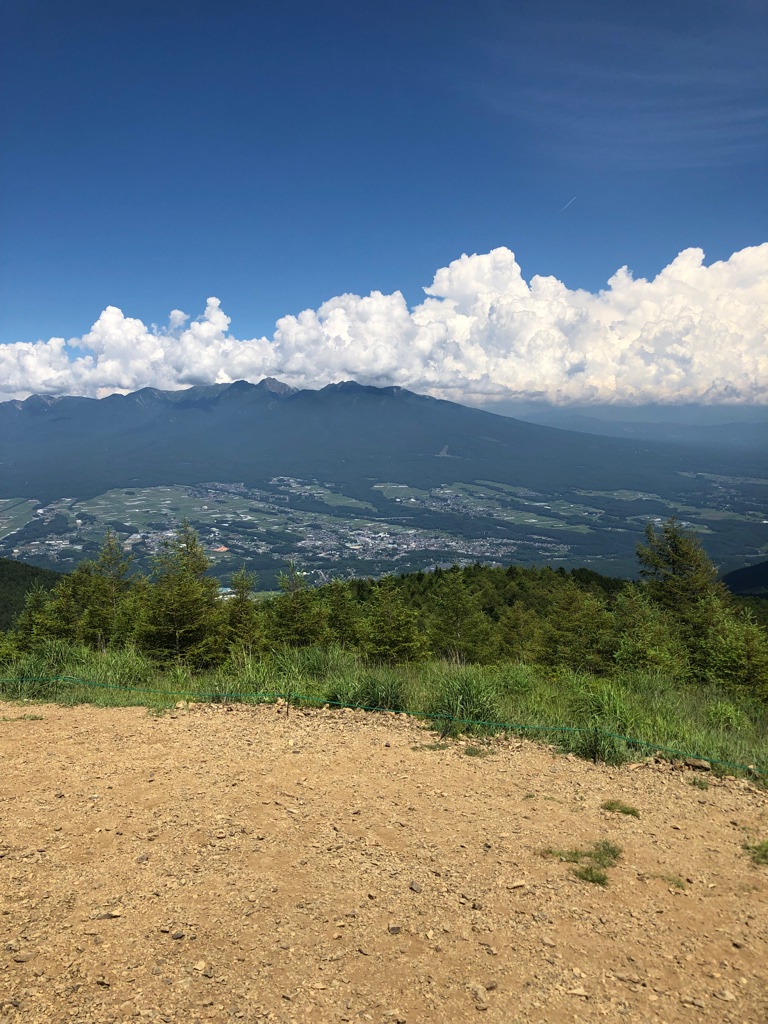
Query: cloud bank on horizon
(694, 333)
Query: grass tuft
(699, 783)
(603, 854)
(758, 851)
(590, 873)
(620, 808)
(674, 880)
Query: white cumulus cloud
(693, 333)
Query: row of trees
(677, 619)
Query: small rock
(546, 941)
(394, 929)
(23, 958)
(177, 935)
(142, 858)
(479, 993)
(580, 992)
(414, 887)
(725, 994)
(697, 762)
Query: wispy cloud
(677, 92)
(693, 333)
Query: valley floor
(248, 864)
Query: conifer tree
(735, 651)
(577, 630)
(343, 613)
(298, 617)
(677, 572)
(646, 636)
(181, 617)
(245, 627)
(520, 633)
(458, 630)
(390, 630)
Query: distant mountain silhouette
(347, 433)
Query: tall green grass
(605, 719)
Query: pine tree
(735, 651)
(647, 636)
(577, 630)
(100, 587)
(457, 628)
(677, 572)
(390, 630)
(181, 617)
(298, 617)
(520, 633)
(245, 627)
(343, 613)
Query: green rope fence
(263, 697)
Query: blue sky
(159, 152)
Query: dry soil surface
(246, 864)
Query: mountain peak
(275, 387)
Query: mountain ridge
(359, 439)
(270, 427)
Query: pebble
(415, 887)
(479, 993)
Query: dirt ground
(244, 864)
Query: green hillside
(16, 579)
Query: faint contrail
(569, 203)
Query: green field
(15, 513)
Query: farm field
(384, 527)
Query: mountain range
(51, 446)
(359, 436)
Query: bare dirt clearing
(243, 864)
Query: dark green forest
(678, 619)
